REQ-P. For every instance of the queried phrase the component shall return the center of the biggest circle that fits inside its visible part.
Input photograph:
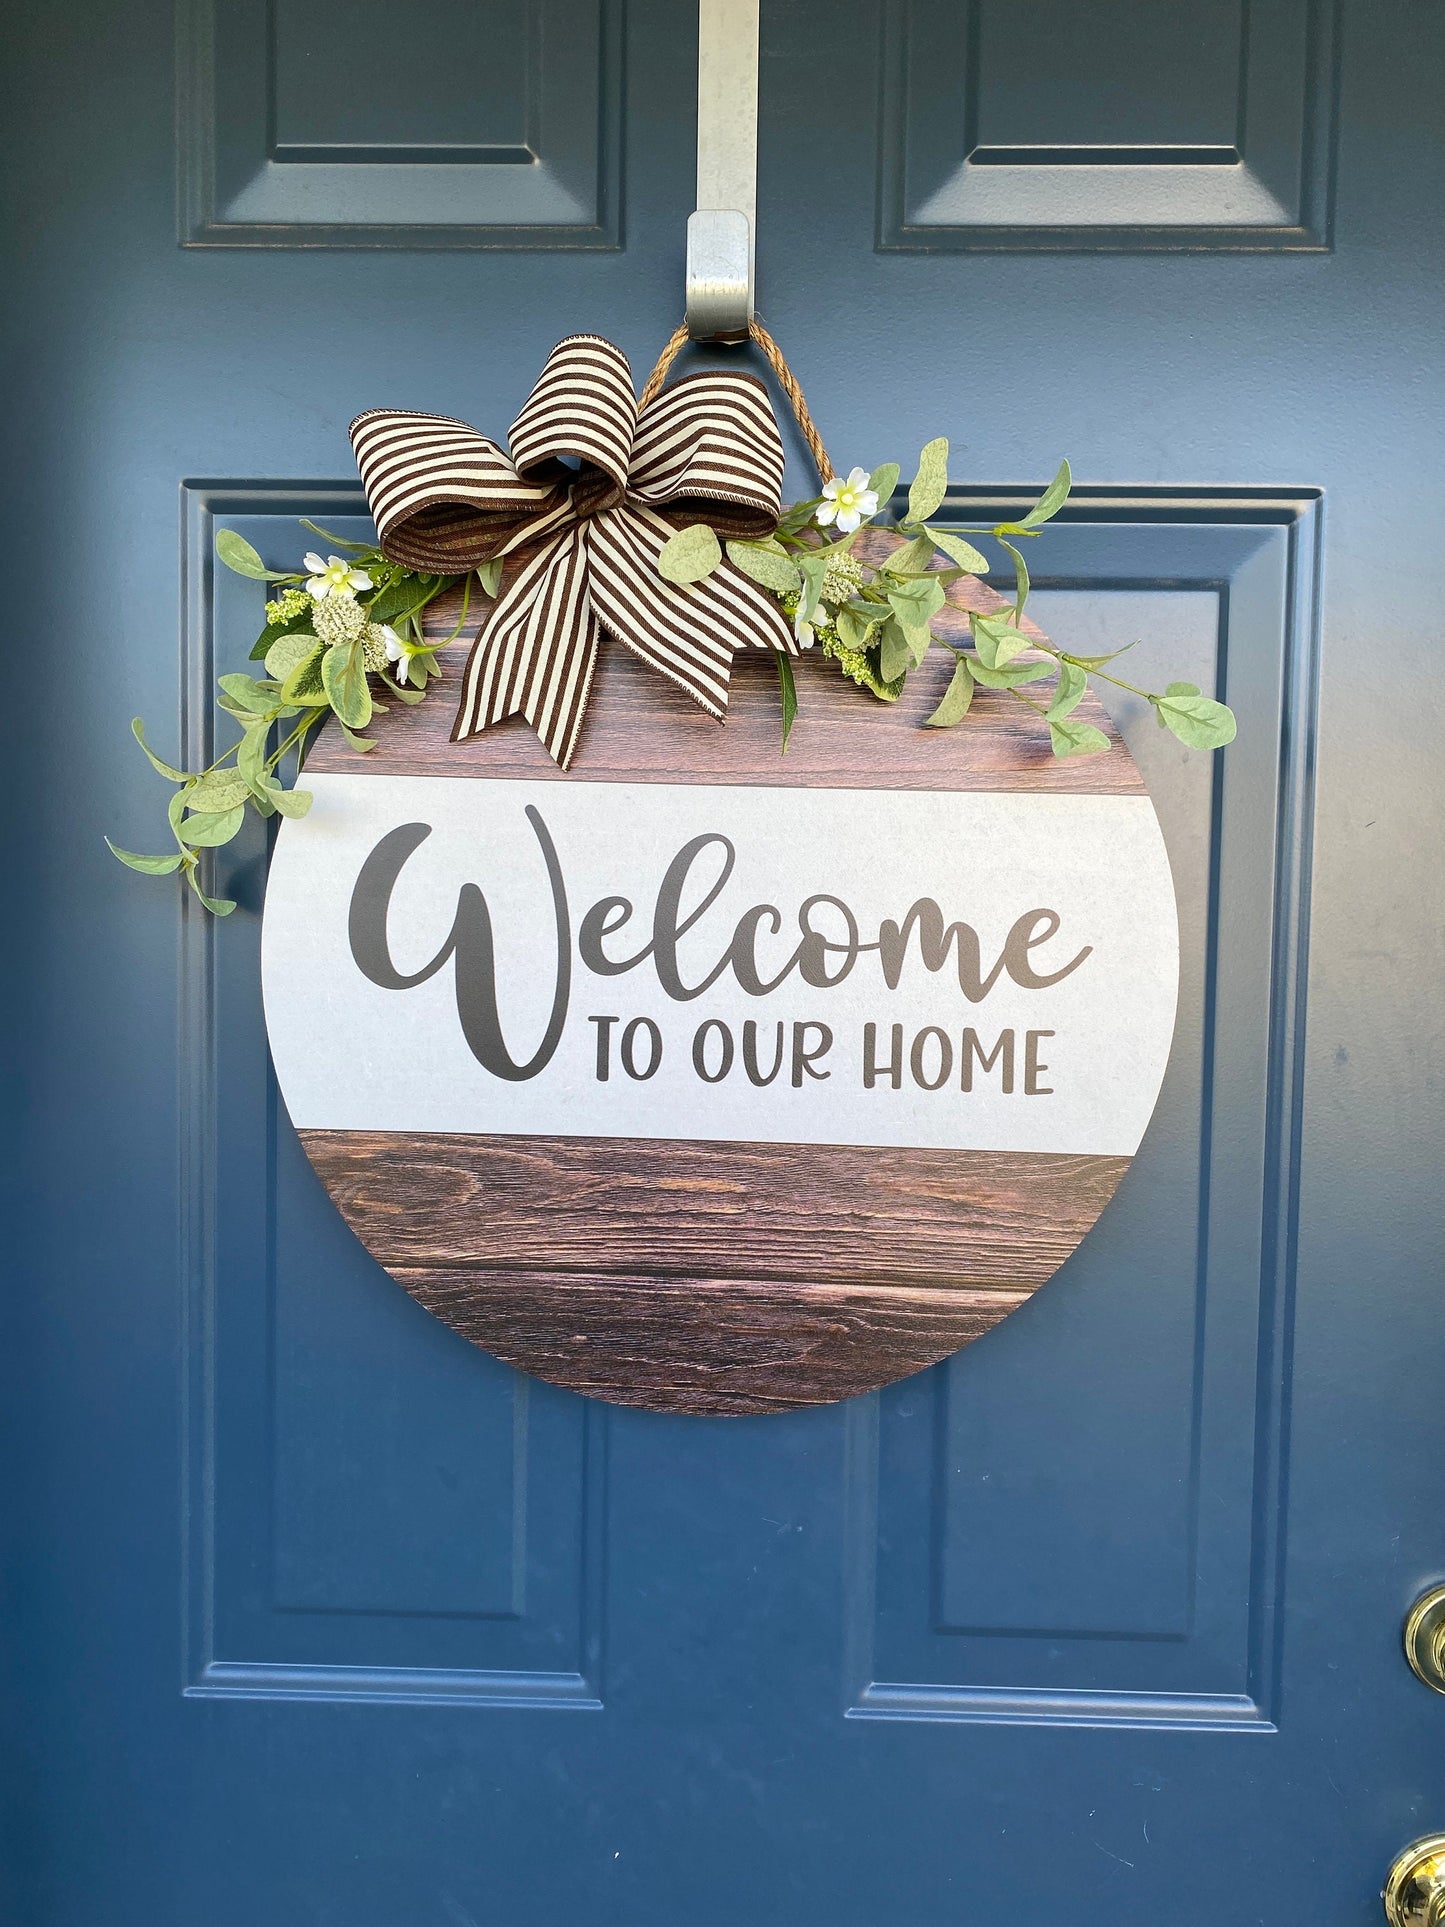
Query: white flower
(334, 577)
(396, 651)
(848, 503)
(803, 623)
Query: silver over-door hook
(720, 233)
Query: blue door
(315, 1615)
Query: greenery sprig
(332, 630)
(354, 619)
(878, 619)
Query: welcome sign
(856, 967)
(719, 1094)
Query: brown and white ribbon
(592, 490)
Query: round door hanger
(706, 1079)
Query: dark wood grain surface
(766, 1274)
(708, 1277)
(717, 1346)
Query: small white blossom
(804, 625)
(396, 651)
(848, 502)
(334, 577)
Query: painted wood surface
(724, 1278)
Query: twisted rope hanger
(787, 381)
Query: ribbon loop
(583, 405)
(592, 492)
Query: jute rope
(787, 381)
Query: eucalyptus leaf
(1182, 689)
(341, 541)
(1072, 684)
(1050, 502)
(764, 565)
(301, 620)
(1012, 675)
(1097, 662)
(218, 906)
(151, 866)
(489, 574)
(343, 673)
(964, 554)
(204, 832)
(895, 656)
(1021, 578)
(912, 559)
(930, 484)
(956, 698)
(238, 555)
(690, 555)
(137, 729)
(853, 632)
(917, 601)
(1070, 737)
(883, 481)
(1198, 721)
(293, 802)
(359, 743)
(250, 693)
(213, 795)
(997, 641)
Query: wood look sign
(701, 1079)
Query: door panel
(1102, 1617)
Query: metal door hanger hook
(720, 232)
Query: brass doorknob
(1425, 1637)
(1415, 1891)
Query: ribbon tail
(688, 633)
(537, 651)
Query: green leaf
(690, 555)
(853, 632)
(304, 682)
(251, 755)
(1072, 684)
(1070, 737)
(912, 559)
(1198, 721)
(916, 601)
(215, 794)
(1021, 578)
(218, 906)
(237, 554)
(489, 574)
(883, 481)
(207, 831)
(930, 484)
(956, 698)
(1097, 662)
(1049, 504)
(151, 866)
(789, 691)
(293, 802)
(895, 656)
(1011, 676)
(289, 650)
(359, 743)
(137, 729)
(250, 693)
(997, 641)
(963, 554)
(343, 674)
(766, 566)
(356, 548)
(1182, 689)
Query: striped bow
(581, 504)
